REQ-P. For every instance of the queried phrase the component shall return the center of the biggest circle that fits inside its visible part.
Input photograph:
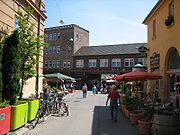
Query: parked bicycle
(50, 104)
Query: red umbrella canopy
(136, 76)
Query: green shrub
(132, 103)
(11, 68)
(4, 104)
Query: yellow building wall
(7, 14)
(166, 37)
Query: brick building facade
(69, 53)
(63, 42)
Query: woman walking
(94, 89)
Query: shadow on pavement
(103, 125)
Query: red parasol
(136, 76)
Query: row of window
(56, 64)
(92, 63)
(52, 49)
(54, 36)
(128, 62)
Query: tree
(11, 68)
(3, 34)
(30, 45)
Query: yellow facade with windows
(163, 24)
(8, 10)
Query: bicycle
(63, 107)
(42, 112)
(52, 103)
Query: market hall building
(163, 24)
(69, 53)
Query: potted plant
(5, 115)
(145, 122)
(11, 79)
(169, 20)
(18, 62)
(135, 111)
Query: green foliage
(125, 88)
(148, 112)
(4, 104)
(3, 34)
(30, 45)
(11, 68)
(132, 103)
(54, 89)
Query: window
(142, 61)
(46, 64)
(80, 63)
(50, 48)
(54, 36)
(154, 29)
(92, 63)
(116, 62)
(16, 26)
(37, 3)
(78, 37)
(58, 49)
(54, 49)
(66, 64)
(50, 64)
(57, 64)
(53, 64)
(50, 36)
(58, 36)
(47, 37)
(103, 62)
(46, 50)
(171, 9)
(128, 62)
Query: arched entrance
(172, 73)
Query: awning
(60, 76)
(136, 76)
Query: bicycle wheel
(64, 109)
(35, 121)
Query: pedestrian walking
(84, 90)
(94, 89)
(114, 98)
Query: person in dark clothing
(114, 98)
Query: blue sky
(108, 21)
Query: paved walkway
(88, 116)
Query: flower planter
(122, 108)
(33, 107)
(19, 115)
(144, 127)
(5, 115)
(134, 117)
(126, 112)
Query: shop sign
(154, 61)
(142, 49)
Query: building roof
(65, 27)
(109, 49)
(152, 11)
